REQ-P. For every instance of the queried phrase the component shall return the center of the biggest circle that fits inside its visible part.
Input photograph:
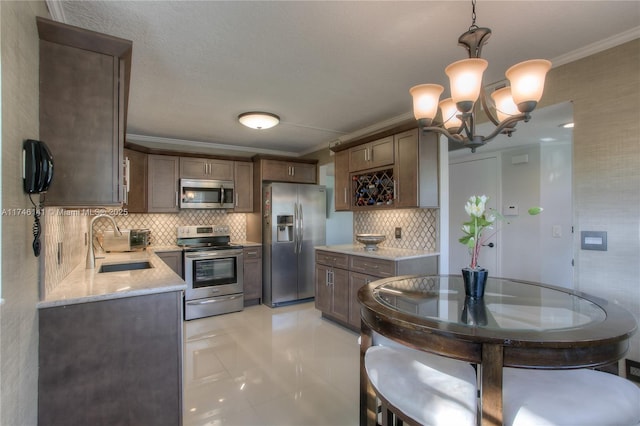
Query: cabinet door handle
(236, 199)
(127, 174)
(345, 195)
(176, 205)
(395, 191)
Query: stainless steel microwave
(206, 194)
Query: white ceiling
(327, 68)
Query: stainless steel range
(212, 270)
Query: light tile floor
(264, 366)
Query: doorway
(532, 168)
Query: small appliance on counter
(130, 240)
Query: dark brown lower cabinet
(112, 362)
(173, 259)
(332, 292)
(252, 275)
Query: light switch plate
(510, 210)
(593, 240)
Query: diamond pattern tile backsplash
(163, 226)
(66, 229)
(419, 227)
(64, 232)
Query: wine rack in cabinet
(374, 188)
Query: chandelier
(508, 106)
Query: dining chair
(418, 388)
(568, 397)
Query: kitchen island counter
(88, 285)
(386, 253)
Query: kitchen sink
(129, 266)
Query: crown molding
(361, 132)
(597, 47)
(56, 11)
(208, 146)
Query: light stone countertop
(247, 243)
(88, 285)
(161, 249)
(387, 253)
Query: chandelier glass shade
(504, 107)
(258, 120)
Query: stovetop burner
(211, 248)
(196, 238)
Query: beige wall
(18, 315)
(605, 91)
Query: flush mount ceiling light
(510, 104)
(258, 120)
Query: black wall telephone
(37, 171)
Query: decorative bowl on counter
(370, 241)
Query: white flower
(474, 208)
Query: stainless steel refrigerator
(293, 223)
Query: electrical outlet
(398, 233)
(633, 370)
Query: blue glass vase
(475, 280)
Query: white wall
(520, 235)
(557, 244)
(339, 224)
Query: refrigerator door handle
(296, 227)
(301, 224)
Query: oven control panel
(202, 231)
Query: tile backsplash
(163, 226)
(419, 227)
(64, 232)
(63, 246)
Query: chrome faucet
(91, 257)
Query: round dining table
(516, 324)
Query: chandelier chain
(473, 15)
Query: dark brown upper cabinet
(84, 90)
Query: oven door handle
(213, 254)
(209, 301)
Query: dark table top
(512, 312)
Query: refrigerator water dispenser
(285, 228)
